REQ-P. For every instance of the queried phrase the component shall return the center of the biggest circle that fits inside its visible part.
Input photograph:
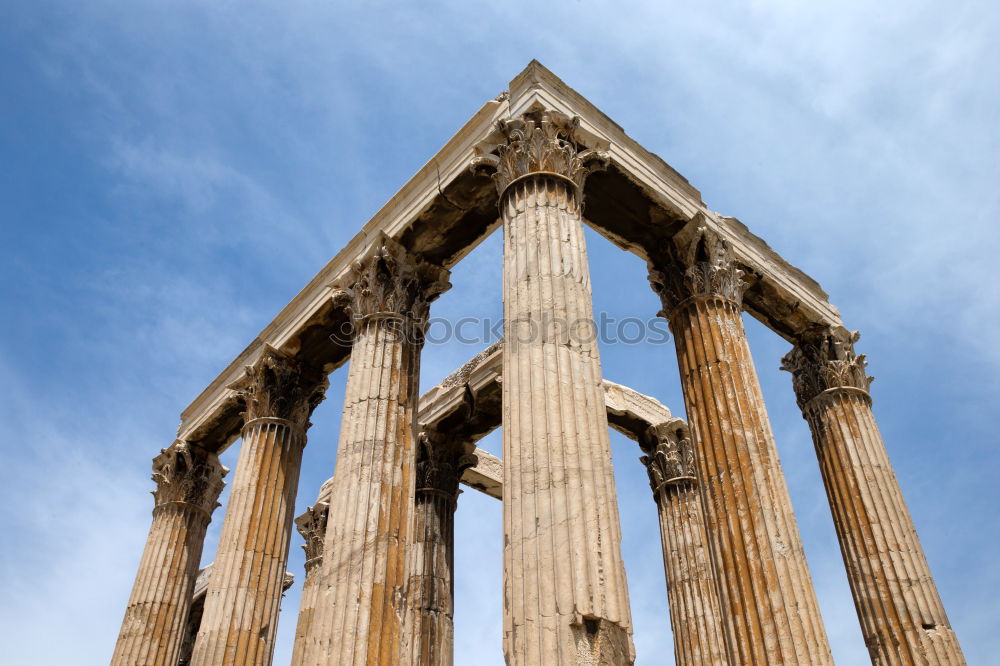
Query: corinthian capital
(441, 461)
(390, 282)
(277, 386)
(312, 527)
(539, 142)
(699, 264)
(670, 455)
(824, 359)
(187, 474)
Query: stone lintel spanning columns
(764, 584)
(565, 596)
(188, 482)
(312, 527)
(361, 599)
(244, 594)
(441, 461)
(902, 618)
(695, 613)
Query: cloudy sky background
(171, 173)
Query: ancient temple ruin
(538, 160)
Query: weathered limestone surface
(312, 527)
(360, 601)
(695, 613)
(441, 460)
(764, 584)
(902, 618)
(188, 482)
(244, 594)
(198, 610)
(565, 596)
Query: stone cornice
(279, 387)
(188, 475)
(697, 265)
(824, 361)
(670, 455)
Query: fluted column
(695, 613)
(764, 584)
(902, 618)
(565, 596)
(361, 603)
(312, 527)
(188, 482)
(244, 592)
(440, 464)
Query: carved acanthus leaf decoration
(670, 456)
(440, 463)
(389, 281)
(278, 386)
(700, 265)
(187, 474)
(312, 527)
(539, 142)
(824, 359)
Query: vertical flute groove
(560, 511)
(902, 618)
(189, 480)
(430, 628)
(361, 599)
(695, 612)
(244, 592)
(763, 580)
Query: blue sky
(171, 173)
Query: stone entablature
(444, 211)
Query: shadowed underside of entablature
(639, 202)
(466, 407)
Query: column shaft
(902, 618)
(565, 595)
(244, 593)
(695, 613)
(189, 481)
(765, 589)
(312, 526)
(440, 463)
(362, 603)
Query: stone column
(765, 589)
(312, 527)
(565, 596)
(695, 613)
(902, 618)
(244, 592)
(361, 603)
(188, 482)
(440, 464)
